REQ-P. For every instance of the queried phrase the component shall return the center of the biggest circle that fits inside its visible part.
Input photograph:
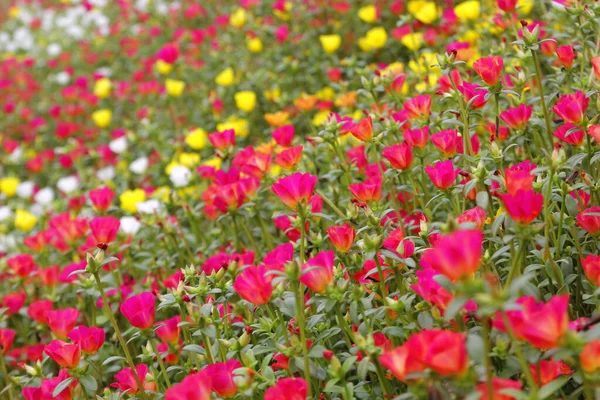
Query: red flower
(456, 255)
(367, 191)
(89, 339)
(289, 158)
(363, 130)
(21, 265)
(489, 69)
(126, 382)
(590, 356)
(594, 131)
(566, 55)
(221, 377)
(507, 6)
(399, 155)
(442, 174)
(7, 336)
(523, 206)
(64, 354)
(583, 199)
(320, 274)
(570, 134)
(417, 137)
(418, 107)
(430, 290)
(517, 117)
(104, 230)
(548, 370)
(591, 267)
(62, 321)
(342, 236)
(572, 107)
(498, 385)
(589, 220)
(288, 389)
(473, 94)
(253, 285)
(101, 198)
(169, 329)
(596, 66)
(294, 189)
(446, 141)
(139, 310)
(193, 387)
(517, 178)
(474, 216)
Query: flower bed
(299, 200)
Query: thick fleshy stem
(109, 314)
(538, 73)
(5, 375)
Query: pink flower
(363, 130)
(517, 117)
(417, 137)
(317, 272)
(566, 55)
(7, 336)
(253, 285)
(489, 69)
(399, 155)
(64, 354)
(367, 191)
(221, 377)
(442, 174)
(104, 230)
(456, 255)
(294, 189)
(342, 236)
(89, 339)
(572, 107)
(101, 198)
(589, 221)
(418, 107)
(288, 389)
(126, 382)
(195, 386)
(446, 141)
(61, 322)
(523, 206)
(139, 310)
(169, 329)
(570, 134)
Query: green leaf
(316, 351)
(194, 348)
(89, 383)
(62, 386)
(363, 369)
(111, 359)
(551, 388)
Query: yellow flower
(255, 45)
(162, 193)
(163, 68)
(424, 11)
(239, 125)
(14, 12)
(470, 36)
(368, 13)
(24, 220)
(412, 40)
(275, 170)
(225, 77)
(130, 198)
(213, 162)
(273, 95)
(320, 118)
(525, 6)
(102, 118)
(8, 186)
(374, 39)
(174, 87)
(238, 18)
(326, 93)
(189, 159)
(245, 100)
(468, 10)
(197, 139)
(330, 43)
(102, 88)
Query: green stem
(266, 234)
(381, 376)
(487, 348)
(300, 318)
(524, 365)
(160, 362)
(111, 317)
(538, 73)
(5, 375)
(330, 204)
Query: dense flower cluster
(302, 199)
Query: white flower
(118, 145)
(148, 206)
(62, 78)
(139, 166)
(180, 176)
(130, 225)
(25, 189)
(68, 184)
(5, 213)
(106, 173)
(54, 49)
(45, 196)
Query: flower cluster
(250, 199)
